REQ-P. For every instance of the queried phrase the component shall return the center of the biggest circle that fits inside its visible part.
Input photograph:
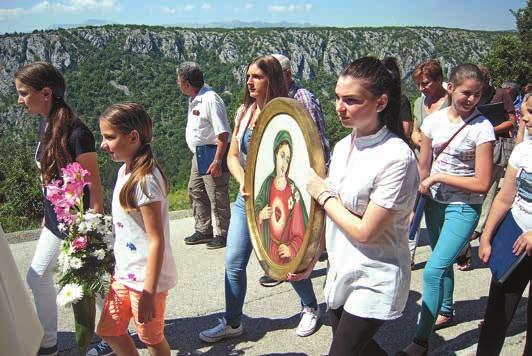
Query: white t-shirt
(521, 159)
(371, 280)
(131, 244)
(458, 158)
(207, 118)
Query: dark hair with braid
(127, 117)
(59, 123)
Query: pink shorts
(121, 305)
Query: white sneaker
(309, 320)
(220, 332)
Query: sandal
(443, 321)
(464, 260)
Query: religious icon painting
(284, 221)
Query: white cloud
(248, 6)
(289, 8)
(68, 6)
(168, 10)
(206, 6)
(10, 13)
(188, 7)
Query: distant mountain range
(116, 63)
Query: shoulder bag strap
(453, 136)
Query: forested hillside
(109, 64)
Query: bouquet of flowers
(86, 260)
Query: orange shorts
(121, 305)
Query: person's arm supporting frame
(89, 162)
(365, 229)
(479, 183)
(151, 215)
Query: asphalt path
(272, 314)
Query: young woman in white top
(368, 196)
(455, 183)
(515, 198)
(145, 269)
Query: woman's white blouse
(371, 280)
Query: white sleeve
(485, 132)
(396, 184)
(218, 115)
(427, 127)
(517, 156)
(149, 191)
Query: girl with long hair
(455, 183)
(264, 83)
(63, 138)
(145, 269)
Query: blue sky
(27, 15)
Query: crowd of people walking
(452, 149)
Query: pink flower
(80, 243)
(74, 173)
(63, 214)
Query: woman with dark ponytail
(63, 139)
(367, 197)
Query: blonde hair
(127, 117)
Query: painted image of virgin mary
(280, 210)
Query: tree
(510, 55)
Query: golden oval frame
(316, 216)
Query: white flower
(70, 294)
(83, 227)
(75, 263)
(99, 254)
(63, 262)
(62, 227)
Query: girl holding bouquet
(145, 268)
(63, 139)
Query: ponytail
(381, 78)
(127, 117)
(55, 153)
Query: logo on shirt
(195, 112)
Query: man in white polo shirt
(206, 125)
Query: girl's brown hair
(127, 117)
(273, 71)
(59, 123)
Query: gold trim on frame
(316, 216)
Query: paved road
(273, 313)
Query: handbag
(502, 150)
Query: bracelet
(319, 195)
(327, 199)
(322, 199)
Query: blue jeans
(450, 227)
(237, 253)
